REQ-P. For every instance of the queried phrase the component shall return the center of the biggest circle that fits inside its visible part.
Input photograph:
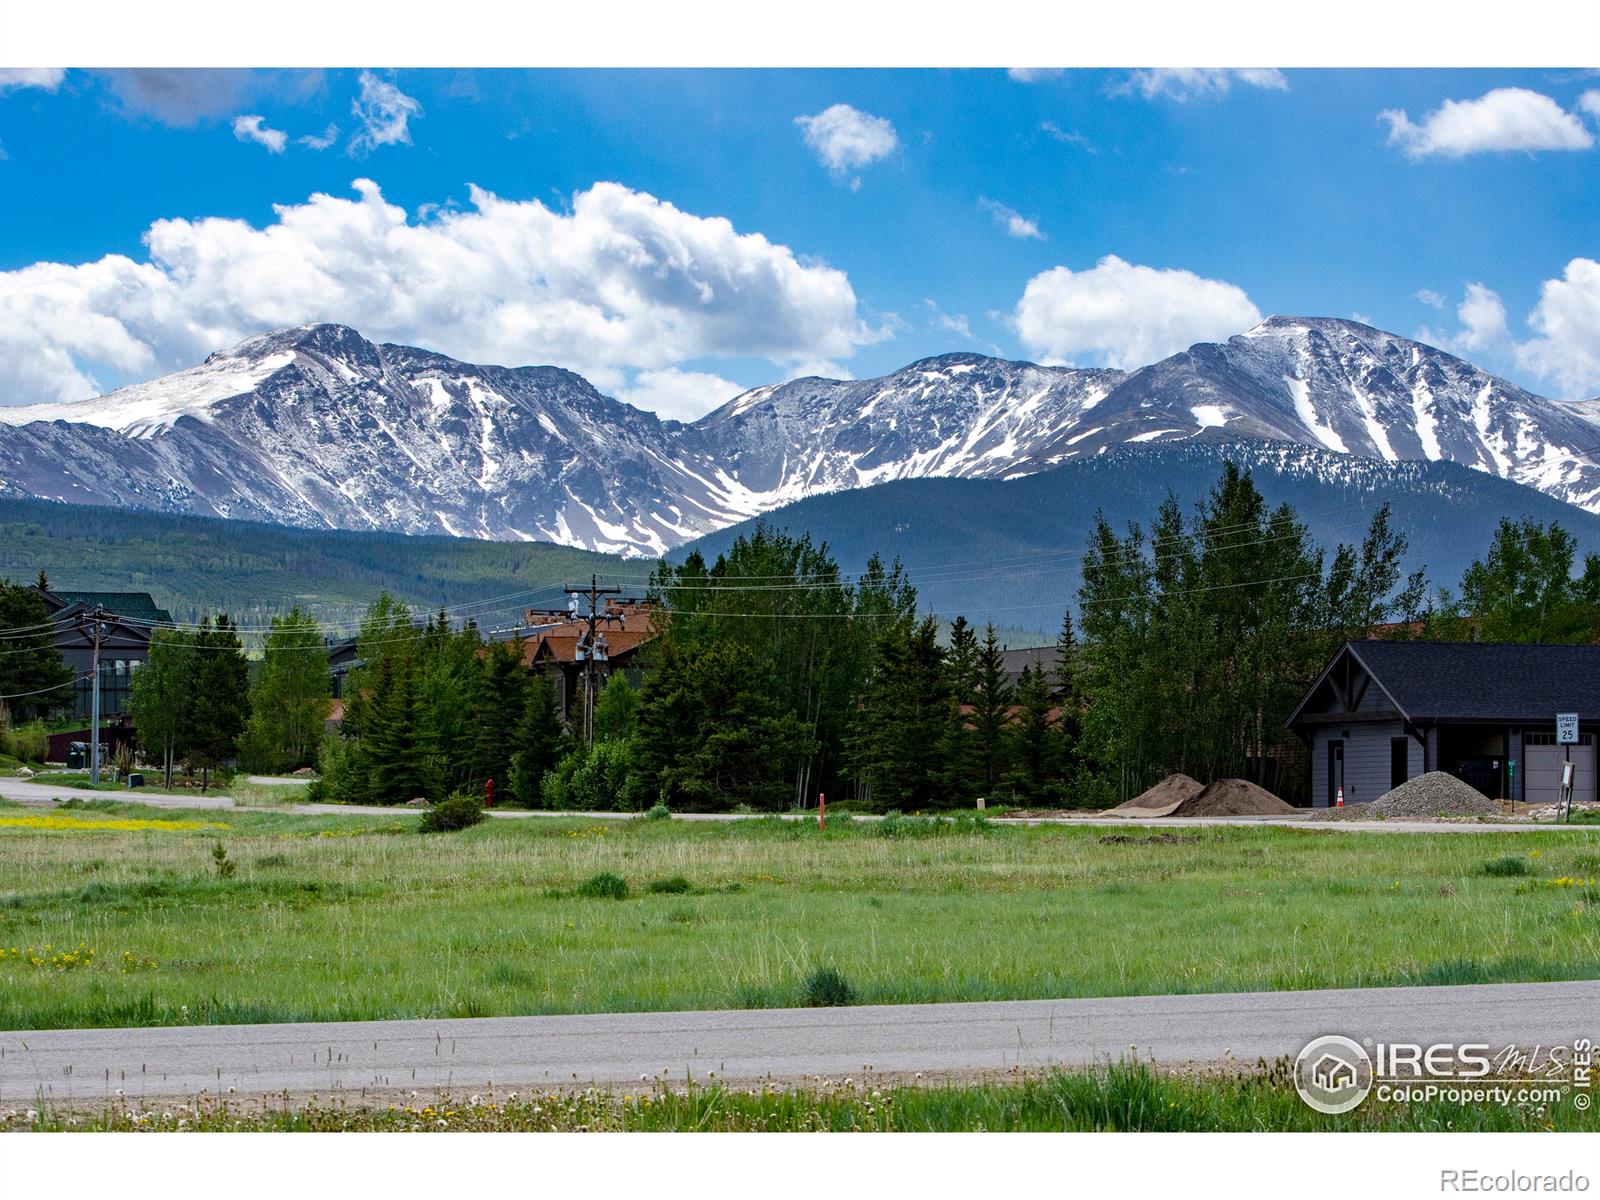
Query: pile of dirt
(1233, 798)
(1163, 799)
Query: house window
(1549, 739)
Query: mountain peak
(1281, 324)
(324, 338)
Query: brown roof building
(552, 640)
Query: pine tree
(400, 747)
(219, 699)
(962, 659)
(1069, 700)
(902, 729)
(290, 697)
(711, 735)
(499, 701)
(450, 667)
(667, 721)
(1034, 776)
(991, 709)
(958, 742)
(33, 677)
(540, 741)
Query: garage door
(1542, 782)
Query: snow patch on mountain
(145, 409)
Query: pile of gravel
(1435, 794)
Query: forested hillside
(196, 565)
(1011, 551)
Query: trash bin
(77, 755)
(135, 779)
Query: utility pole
(97, 618)
(591, 648)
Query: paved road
(382, 1056)
(34, 792)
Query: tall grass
(1116, 1098)
(342, 918)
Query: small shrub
(826, 988)
(896, 826)
(604, 886)
(658, 810)
(225, 866)
(555, 785)
(1507, 866)
(460, 810)
(601, 779)
(29, 743)
(676, 885)
(273, 860)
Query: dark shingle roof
(1485, 681)
(139, 607)
(1014, 661)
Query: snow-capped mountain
(955, 415)
(318, 426)
(1350, 388)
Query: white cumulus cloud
(1503, 119)
(1566, 322)
(251, 128)
(623, 281)
(1201, 83)
(1563, 351)
(384, 112)
(1483, 319)
(679, 395)
(844, 138)
(1120, 314)
(1431, 298)
(1589, 102)
(48, 78)
(1014, 223)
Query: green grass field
(349, 918)
(1113, 1099)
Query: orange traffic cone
(1339, 799)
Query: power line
(43, 691)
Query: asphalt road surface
(41, 792)
(88, 1066)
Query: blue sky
(876, 217)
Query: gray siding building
(1382, 712)
(124, 643)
